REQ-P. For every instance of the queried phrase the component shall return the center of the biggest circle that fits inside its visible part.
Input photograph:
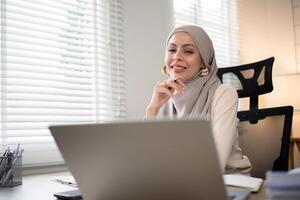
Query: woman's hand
(162, 92)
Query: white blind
(62, 61)
(219, 20)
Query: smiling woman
(194, 89)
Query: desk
(35, 187)
(40, 187)
(261, 195)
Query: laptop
(149, 160)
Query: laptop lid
(142, 160)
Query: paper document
(238, 180)
(66, 180)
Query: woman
(193, 88)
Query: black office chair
(267, 145)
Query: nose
(177, 55)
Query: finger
(160, 85)
(177, 80)
(171, 84)
(166, 91)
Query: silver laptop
(146, 160)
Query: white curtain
(62, 61)
(219, 20)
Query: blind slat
(62, 62)
(218, 18)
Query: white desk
(40, 187)
(36, 187)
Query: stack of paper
(282, 185)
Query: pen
(3, 164)
(2, 159)
(7, 164)
(11, 164)
(17, 150)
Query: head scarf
(199, 91)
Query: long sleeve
(224, 120)
(225, 123)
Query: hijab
(199, 90)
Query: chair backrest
(264, 134)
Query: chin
(182, 78)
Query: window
(62, 61)
(219, 20)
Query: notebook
(170, 159)
(238, 180)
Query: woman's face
(182, 57)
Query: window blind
(219, 19)
(62, 62)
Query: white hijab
(199, 91)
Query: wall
(296, 12)
(147, 25)
(266, 29)
(272, 28)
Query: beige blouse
(224, 122)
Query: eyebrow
(184, 45)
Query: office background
(266, 28)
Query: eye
(172, 50)
(188, 51)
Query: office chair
(262, 136)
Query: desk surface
(35, 187)
(41, 187)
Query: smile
(178, 68)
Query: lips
(178, 68)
